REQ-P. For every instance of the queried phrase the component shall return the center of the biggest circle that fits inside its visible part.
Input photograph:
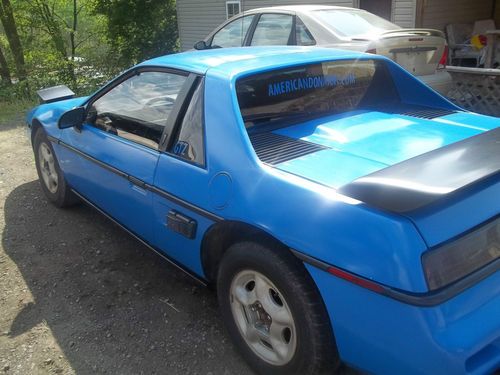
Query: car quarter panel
(319, 222)
(460, 336)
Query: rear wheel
(49, 173)
(273, 311)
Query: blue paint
(297, 203)
(363, 142)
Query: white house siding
(403, 12)
(197, 18)
(438, 13)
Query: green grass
(12, 113)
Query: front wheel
(273, 311)
(49, 173)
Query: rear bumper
(440, 81)
(383, 336)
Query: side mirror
(201, 45)
(73, 117)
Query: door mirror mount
(72, 118)
(201, 45)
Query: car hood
(50, 112)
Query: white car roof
(299, 8)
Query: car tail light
(463, 256)
(372, 51)
(444, 59)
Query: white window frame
(232, 2)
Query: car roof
(298, 8)
(235, 61)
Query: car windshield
(353, 23)
(298, 94)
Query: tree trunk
(4, 69)
(10, 28)
(73, 31)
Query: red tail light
(372, 51)
(444, 59)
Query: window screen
(189, 143)
(232, 8)
(310, 91)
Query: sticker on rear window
(308, 83)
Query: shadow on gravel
(112, 305)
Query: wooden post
(491, 47)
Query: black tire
(315, 350)
(61, 195)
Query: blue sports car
(342, 209)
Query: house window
(232, 8)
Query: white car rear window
(353, 23)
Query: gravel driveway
(80, 296)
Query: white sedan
(422, 52)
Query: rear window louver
(426, 113)
(273, 148)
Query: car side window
(189, 142)
(138, 108)
(233, 34)
(272, 30)
(302, 35)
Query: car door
(117, 147)
(181, 186)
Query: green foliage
(12, 113)
(140, 29)
(110, 35)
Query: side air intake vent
(274, 148)
(424, 112)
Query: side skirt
(154, 249)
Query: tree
(140, 29)
(4, 69)
(50, 22)
(10, 28)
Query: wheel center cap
(260, 317)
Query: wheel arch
(35, 125)
(220, 236)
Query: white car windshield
(353, 23)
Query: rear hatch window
(353, 23)
(298, 94)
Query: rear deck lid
(417, 50)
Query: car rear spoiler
(55, 94)
(416, 183)
(411, 32)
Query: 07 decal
(181, 148)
